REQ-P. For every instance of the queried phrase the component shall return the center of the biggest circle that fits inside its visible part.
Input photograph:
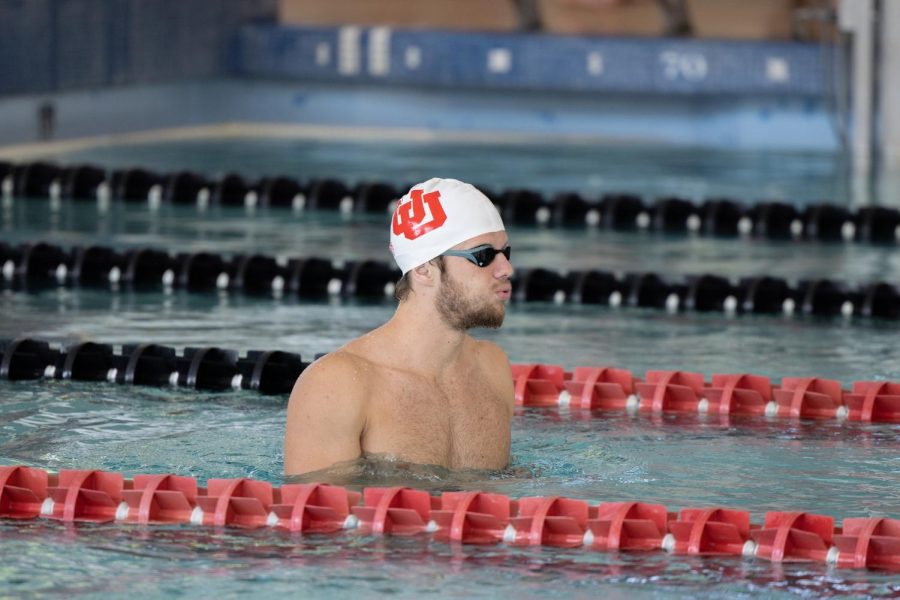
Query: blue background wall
(56, 45)
(532, 61)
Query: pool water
(589, 168)
(837, 468)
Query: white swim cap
(437, 215)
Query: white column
(889, 98)
(857, 18)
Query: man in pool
(419, 389)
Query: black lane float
(208, 368)
(597, 387)
(724, 217)
(39, 265)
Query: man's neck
(423, 340)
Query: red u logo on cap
(423, 213)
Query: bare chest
(459, 423)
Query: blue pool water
(550, 167)
(836, 468)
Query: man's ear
(425, 275)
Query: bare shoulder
(339, 361)
(342, 372)
(491, 353)
(496, 367)
(326, 413)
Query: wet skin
(418, 388)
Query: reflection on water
(588, 168)
(385, 470)
(53, 558)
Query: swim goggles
(480, 255)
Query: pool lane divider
(591, 388)
(726, 394)
(38, 266)
(467, 517)
(722, 217)
(201, 368)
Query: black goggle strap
(480, 255)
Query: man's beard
(462, 313)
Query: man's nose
(502, 267)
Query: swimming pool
(839, 468)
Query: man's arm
(326, 415)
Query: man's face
(471, 296)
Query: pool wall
(114, 67)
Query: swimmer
(419, 388)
